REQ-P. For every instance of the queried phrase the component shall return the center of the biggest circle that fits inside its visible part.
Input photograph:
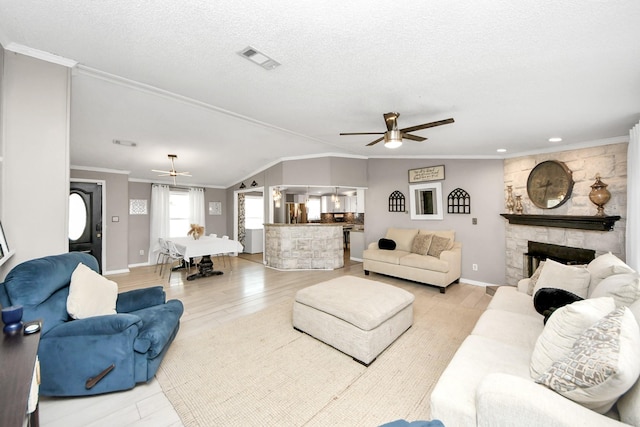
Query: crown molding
(40, 54)
(104, 170)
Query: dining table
(204, 247)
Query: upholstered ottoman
(357, 316)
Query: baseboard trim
(476, 283)
(107, 273)
(141, 264)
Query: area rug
(259, 371)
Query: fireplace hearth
(537, 251)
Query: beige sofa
(407, 261)
(491, 380)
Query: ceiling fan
(393, 136)
(172, 173)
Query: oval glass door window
(77, 216)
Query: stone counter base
(308, 247)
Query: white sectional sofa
(491, 380)
(430, 257)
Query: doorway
(85, 219)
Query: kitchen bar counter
(316, 246)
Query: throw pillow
(602, 365)
(421, 244)
(571, 278)
(563, 328)
(403, 237)
(623, 288)
(438, 245)
(534, 278)
(90, 294)
(386, 244)
(548, 300)
(604, 266)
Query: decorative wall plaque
(396, 202)
(431, 173)
(459, 202)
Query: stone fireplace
(537, 252)
(585, 163)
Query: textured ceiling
(166, 75)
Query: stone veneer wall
(610, 161)
(304, 247)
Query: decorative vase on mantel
(518, 204)
(510, 202)
(599, 195)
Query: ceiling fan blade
(391, 119)
(427, 125)
(375, 142)
(362, 133)
(156, 170)
(183, 173)
(413, 137)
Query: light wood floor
(246, 287)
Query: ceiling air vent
(258, 58)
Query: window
(313, 209)
(253, 212)
(178, 213)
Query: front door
(85, 219)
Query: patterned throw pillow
(421, 244)
(438, 244)
(602, 365)
(534, 278)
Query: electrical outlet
(141, 251)
(474, 221)
(475, 267)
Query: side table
(18, 356)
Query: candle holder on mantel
(599, 195)
(510, 203)
(518, 206)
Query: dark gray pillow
(386, 244)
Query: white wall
(35, 170)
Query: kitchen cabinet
(347, 204)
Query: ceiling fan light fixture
(393, 139)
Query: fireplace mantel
(599, 223)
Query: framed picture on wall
(4, 247)
(215, 208)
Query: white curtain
(196, 206)
(633, 199)
(159, 218)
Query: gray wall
(482, 244)
(139, 225)
(116, 234)
(216, 223)
(35, 150)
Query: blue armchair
(76, 356)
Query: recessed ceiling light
(124, 143)
(501, 150)
(555, 139)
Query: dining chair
(175, 255)
(163, 253)
(225, 255)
